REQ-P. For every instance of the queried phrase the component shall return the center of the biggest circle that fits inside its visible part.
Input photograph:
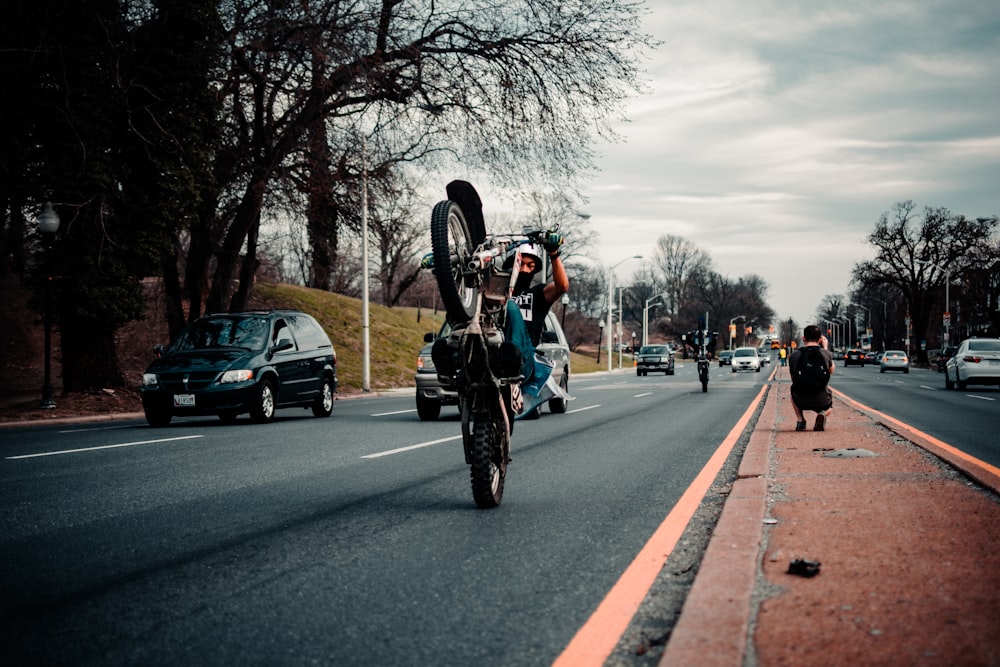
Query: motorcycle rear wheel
(489, 461)
(452, 245)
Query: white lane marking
(641, 395)
(94, 449)
(411, 447)
(923, 386)
(430, 443)
(396, 412)
(97, 428)
(981, 398)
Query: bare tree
(524, 99)
(915, 253)
(680, 261)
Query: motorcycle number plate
(183, 400)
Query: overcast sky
(775, 134)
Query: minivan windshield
(249, 333)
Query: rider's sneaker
(516, 398)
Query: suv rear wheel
(428, 410)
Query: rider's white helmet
(532, 250)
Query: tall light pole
(868, 324)
(365, 326)
(611, 303)
(731, 332)
(946, 317)
(48, 225)
(645, 317)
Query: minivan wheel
(262, 410)
(158, 417)
(323, 405)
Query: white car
(976, 361)
(745, 359)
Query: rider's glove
(427, 261)
(551, 243)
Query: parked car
(854, 357)
(237, 363)
(745, 359)
(654, 359)
(725, 357)
(435, 390)
(976, 361)
(894, 360)
(943, 356)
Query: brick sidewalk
(909, 570)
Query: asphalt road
(966, 419)
(354, 540)
(351, 540)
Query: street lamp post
(599, 340)
(645, 316)
(732, 333)
(947, 297)
(611, 303)
(48, 225)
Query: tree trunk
(248, 269)
(89, 359)
(321, 214)
(247, 218)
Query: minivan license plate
(183, 400)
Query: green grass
(395, 336)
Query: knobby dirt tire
(489, 466)
(452, 243)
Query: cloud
(776, 133)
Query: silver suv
(434, 390)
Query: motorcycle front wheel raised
(490, 440)
(452, 245)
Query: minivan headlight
(236, 376)
(150, 380)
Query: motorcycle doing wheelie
(482, 355)
(704, 342)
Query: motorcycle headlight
(150, 380)
(236, 376)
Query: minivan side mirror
(282, 346)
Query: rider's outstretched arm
(560, 281)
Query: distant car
(725, 357)
(894, 360)
(745, 359)
(942, 359)
(871, 357)
(235, 363)
(435, 390)
(775, 344)
(854, 357)
(654, 359)
(764, 353)
(976, 361)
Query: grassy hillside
(395, 335)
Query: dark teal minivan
(238, 363)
